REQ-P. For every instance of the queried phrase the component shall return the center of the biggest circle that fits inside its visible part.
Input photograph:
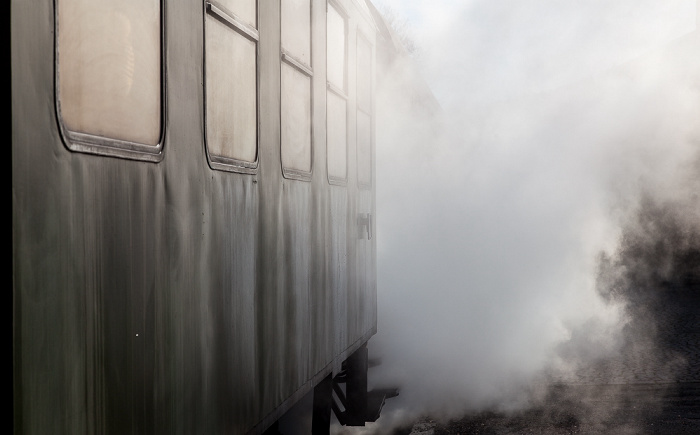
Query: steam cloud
(508, 221)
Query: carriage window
(230, 67)
(245, 10)
(364, 112)
(296, 77)
(336, 114)
(336, 47)
(296, 121)
(336, 100)
(109, 76)
(296, 29)
(364, 149)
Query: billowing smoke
(523, 223)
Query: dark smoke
(655, 270)
(659, 252)
(655, 275)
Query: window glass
(296, 88)
(231, 92)
(109, 69)
(336, 101)
(364, 75)
(296, 29)
(364, 112)
(335, 47)
(296, 120)
(243, 9)
(336, 107)
(364, 148)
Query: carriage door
(365, 206)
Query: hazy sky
(533, 44)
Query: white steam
(492, 214)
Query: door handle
(364, 224)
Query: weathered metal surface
(170, 297)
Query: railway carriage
(193, 205)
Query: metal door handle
(365, 220)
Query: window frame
(214, 11)
(370, 113)
(342, 93)
(106, 146)
(288, 58)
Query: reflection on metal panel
(231, 90)
(296, 119)
(339, 267)
(296, 29)
(109, 69)
(336, 113)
